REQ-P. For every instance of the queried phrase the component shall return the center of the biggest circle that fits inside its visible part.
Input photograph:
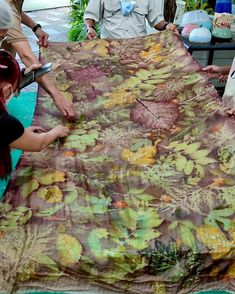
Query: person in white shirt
(124, 19)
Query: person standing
(124, 19)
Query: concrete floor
(31, 5)
(55, 23)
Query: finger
(44, 41)
(41, 129)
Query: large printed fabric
(140, 197)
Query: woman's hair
(9, 73)
(5, 15)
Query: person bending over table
(12, 132)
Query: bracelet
(165, 25)
(34, 29)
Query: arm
(220, 70)
(29, 22)
(215, 71)
(163, 25)
(93, 14)
(31, 141)
(91, 32)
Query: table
(211, 47)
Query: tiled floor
(55, 22)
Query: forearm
(26, 20)
(34, 142)
(161, 26)
(225, 70)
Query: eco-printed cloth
(140, 197)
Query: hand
(172, 27)
(32, 67)
(42, 37)
(91, 33)
(61, 131)
(230, 111)
(36, 129)
(215, 71)
(65, 106)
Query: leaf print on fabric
(119, 98)
(27, 188)
(152, 115)
(51, 194)
(13, 218)
(51, 177)
(69, 249)
(219, 246)
(19, 250)
(144, 155)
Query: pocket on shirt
(141, 10)
(110, 9)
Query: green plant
(196, 4)
(78, 29)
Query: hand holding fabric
(42, 37)
(214, 71)
(91, 33)
(172, 27)
(66, 107)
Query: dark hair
(9, 70)
(9, 73)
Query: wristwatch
(36, 27)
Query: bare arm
(31, 141)
(163, 25)
(220, 70)
(28, 21)
(215, 71)
(91, 32)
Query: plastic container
(188, 29)
(194, 17)
(223, 6)
(200, 35)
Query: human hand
(215, 71)
(172, 27)
(36, 129)
(32, 67)
(42, 37)
(65, 106)
(61, 131)
(230, 111)
(91, 33)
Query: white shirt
(114, 25)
